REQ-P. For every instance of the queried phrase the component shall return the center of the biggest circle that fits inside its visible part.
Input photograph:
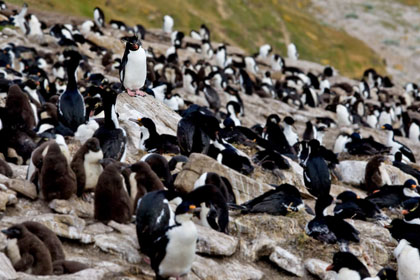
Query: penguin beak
(330, 267)
(413, 187)
(137, 121)
(382, 127)
(6, 232)
(388, 226)
(136, 46)
(404, 212)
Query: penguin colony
(48, 103)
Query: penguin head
(186, 207)
(289, 120)
(132, 43)
(15, 231)
(411, 209)
(410, 184)
(398, 156)
(387, 127)
(349, 261)
(146, 122)
(347, 196)
(273, 119)
(93, 144)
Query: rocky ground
(392, 30)
(257, 247)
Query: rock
(396, 175)
(9, 32)
(23, 187)
(227, 269)
(124, 245)
(262, 246)
(6, 268)
(97, 228)
(128, 229)
(87, 274)
(244, 187)
(352, 171)
(287, 261)
(318, 268)
(7, 197)
(74, 206)
(211, 242)
(19, 171)
(67, 226)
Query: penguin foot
(140, 92)
(131, 93)
(147, 260)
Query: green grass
(246, 23)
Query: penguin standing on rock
(168, 240)
(71, 105)
(29, 254)
(375, 176)
(111, 198)
(111, 136)
(133, 69)
(86, 165)
(316, 174)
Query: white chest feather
(144, 135)
(12, 251)
(200, 181)
(408, 260)
(180, 251)
(291, 136)
(135, 70)
(133, 185)
(347, 274)
(92, 168)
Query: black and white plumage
(99, 17)
(394, 195)
(397, 146)
(167, 238)
(405, 167)
(291, 136)
(350, 205)
(196, 130)
(225, 187)
(408, 259)
(152, 141)
(112, 137)
(71, 105)
(365, 146)
(133, 69)
(214, 211)
(347, 266)
(316, 174)
(275, 136)
(330, 229)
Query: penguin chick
(49, 239)
(57, 180)
(142, 180)
(111, 198)
(32, 255)
(61, 267)
(86, 165)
